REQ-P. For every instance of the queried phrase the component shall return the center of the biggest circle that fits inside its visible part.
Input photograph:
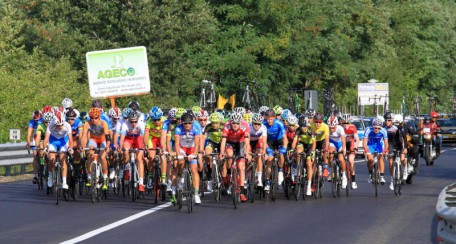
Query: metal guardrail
(446, 212)
(12, 155)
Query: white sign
(15, 134)
(118, 72)
(369, 93)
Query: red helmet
(434, 114)
(46, 109)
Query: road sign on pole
(15, 134)
(311, 99)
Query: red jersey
(236, 136)
(350, 131)
(290, 135)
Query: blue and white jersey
(34, 123)
(187, 138)
(275, 131)
(375, 138)
(76, 126)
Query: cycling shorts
(185, 151)
(256, 144)
(350, 146)
(273, 145)
(60, 145)
(237, 147)
(212, 145)
(320, 145)
(307, 148)
(133, 142)
(336, 144)
(154, 142)
(377, 147)
(96, 143)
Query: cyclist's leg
(259, 165)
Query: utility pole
(375, 98)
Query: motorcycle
(429, 152)
(412, 157)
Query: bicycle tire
(252, 183)
(334, 179)
(93, 182)
(274, 182)
(234, 188)
(188, 191)
(40, 176)
(57, 184)
(216, 183)
(300, 183)
(133, 182)
(156, 184)
(375, 179)
(70, 182)
(339, 180)
(397, 179)
(348, 175)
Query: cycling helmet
(114, 113)
(56, 109)
(67, 103)
(388, 116)
(94, 113)
(48, 116)
(97, 104)
(269, 113)
(83, 115)
(257, 118)
(398, 118)
(239, 110)
(155, 113)
(310, 113)
(346, 118)
(278, 110)
(427, 118)
(434, 114)
(172, 113)
(180, 112)
(333, 121)
(71, 113)
(303, 121)
(236, 117)
(134, 105)
(298, 115)
(263, 110)
(202, 114)
(36, 114)
(376, 122)
(134, 115)
(126, 113)
(222, 114)
(215, 118)
(77, 112)
(336, 113)
(196, 109)
(292, 120)
(318, 117)
(59, 118)
(247, 117)
(187, 118)
(286, 114)
(46, 109)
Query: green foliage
(300, 44)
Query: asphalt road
(28, 215)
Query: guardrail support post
(23, 169)
(8, 170)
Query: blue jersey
(34, 123)
(275, 131)
(375, 138)
(75, 127)
(187, 139)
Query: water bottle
(320, 170)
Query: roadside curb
(6, 179)
(446, 212)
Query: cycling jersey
(214, 135)
(256, 135)
(236, 136)
(290, 135)
(335, 138)
(154, 130)
(275, 131)
(375, 140)
(169, 127)
(307, 136)
(105, 118)
(320, 133)
(42, 129)
(129, 131)
(394, 137)
(187, 138)
(350, 131)
(34, 123)
(76, 127)
(59, 138)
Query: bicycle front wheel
(235, 187)
(376, 178)
(274, 183)
(397, 178)
(58, 183)
(189, 192)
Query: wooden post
(113, 102)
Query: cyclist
(321, 130)
(236, 139)
(290, 128)
(395, 143)
(76, 129)
(96, 134)
(375, 140)
(98, 104)
(154, 126)
(114, 116)
(278, 111)
(31, 131)
(67, 104)
(337, 145)
(277, 140)
(438, 139)
(131, 136)
(169, 126)
(201, 117)
(258, 143)
(284, 117)
(134, 106)
(263, 110)
(352, 142)
(412, 140)
(213, 135)
(398, 121)
(58, 139)
(187, 139)
(304, 141)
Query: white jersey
(337, 135)
(255, 135)
(56, 132)
(128, 130)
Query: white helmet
(398, 118)
(239, 110)
(115, 113)
(67, 103)
(59, 118)
(292, 120)
(236, 117)
(48, 116)
(257, 118)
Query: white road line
(116, 224)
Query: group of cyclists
(195, 134)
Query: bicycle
(72, 179)
(250, 176)
(375, 173)
(57, 177)
(159, 189)
(317, 179)
(348, 173)
(185, 189)
(116, 182)
(216, 176)
(235, 180)
(95, 173)
(397, 173)
(133, 180)
(336, 178)
(293, 181)
(42, 168)
(274, 179)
